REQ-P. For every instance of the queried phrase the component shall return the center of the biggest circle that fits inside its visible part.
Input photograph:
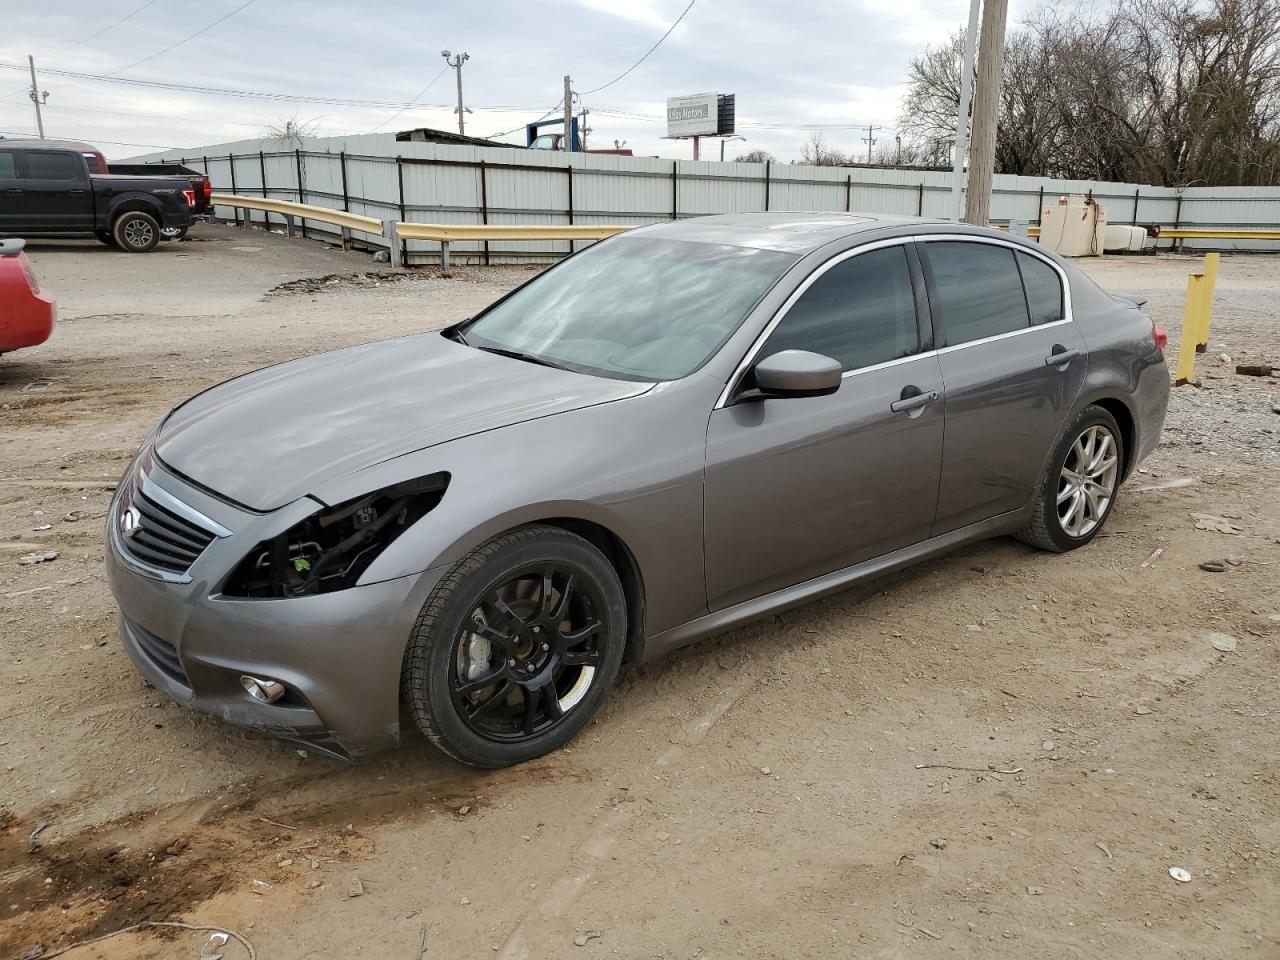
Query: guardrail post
(1206, 307)
(288, 224)
(394, 248)
(1190, 329)
(444, 257)
(345, 233)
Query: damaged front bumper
(338, 654)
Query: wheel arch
(1125, 419)
(136, 202)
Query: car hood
(271, 436)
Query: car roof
(32, 143)
(797, 233)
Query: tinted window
(637, 308)
(860, 312)
(8, 166)
(1044, 289)
(979, 290)
(54, 166)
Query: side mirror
(796, 373)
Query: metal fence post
(767, 179)
(1136, 195)
(1040, 208)
(231, 164)
(569, 168)
(262, 167)
(920, 200)
(484, 205)
(848, 194)
(675, 190)
(400, 257)
(297, 157)
(342, 159)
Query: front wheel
(1080, 486)
(136, 232)
(516, 647)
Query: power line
(110, 26)
(254, 94)
(60, 108)
(646, 56)
(198, 33)
(114, 143)
(416, 98)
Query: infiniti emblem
(130, 522)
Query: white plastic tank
(1074, 227)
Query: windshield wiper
(520, 355)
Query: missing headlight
(329, 550)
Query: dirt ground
(998, 754)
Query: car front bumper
(339, 654)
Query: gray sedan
(673, 432)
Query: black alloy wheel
(516, 647)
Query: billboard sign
(693, 116)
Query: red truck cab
(27, 314)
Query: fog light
(268, 691)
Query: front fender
(633, 467)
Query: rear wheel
(136, 232)
(516, 647)
(1080, 486)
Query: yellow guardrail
(449, 232)
(1197, 233)
(1196, 317)
(288, 208)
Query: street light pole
(724, 140)
(457, 63)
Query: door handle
(1060, 356)
(914, 404)
(13, 190)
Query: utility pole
(986, 111)
(870, 139)
(457, 63)
(962, 115)
(897, 162)
(568, 113)
(35, 96)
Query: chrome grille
(155, 532)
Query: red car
(26, 314)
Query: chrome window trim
(758, 345)
(745, 363)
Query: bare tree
(817, 152)
(755, 156)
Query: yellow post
(1206, 312)
(1190, 329)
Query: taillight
(206, 188)
(1161, 336)
(191, 197)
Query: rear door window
(861, 312)
(43, 165)
(1044, 289)
(979, 290)
(8, 165)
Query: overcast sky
(791, 64)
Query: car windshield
(631, 307)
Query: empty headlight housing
(330, 549)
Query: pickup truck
(49, 188)
(200, 182)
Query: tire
(136, 232)
(173, 233)
(104, 236)
(535, 685)
(1094, 440)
